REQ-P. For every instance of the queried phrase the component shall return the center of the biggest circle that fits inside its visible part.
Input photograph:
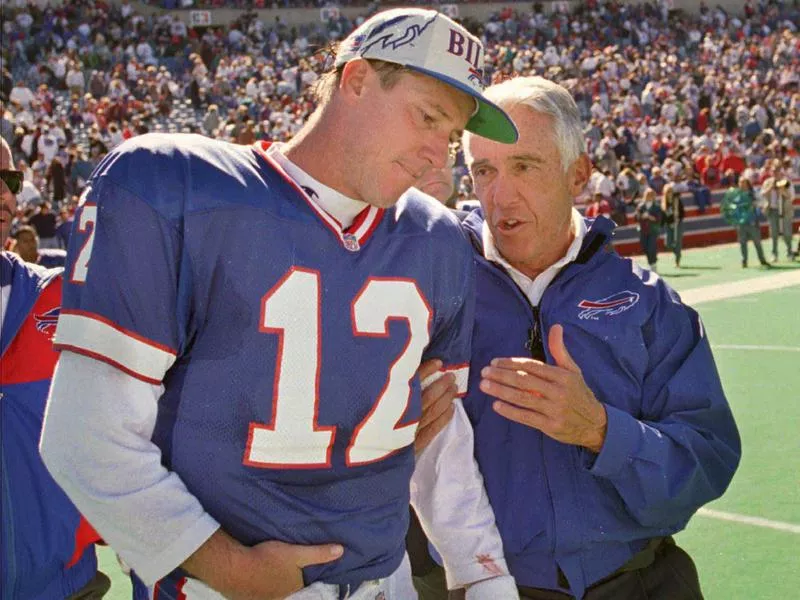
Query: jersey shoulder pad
(181, 173)
(420, 213)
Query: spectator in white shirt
(76, 82)
(597, 110)
(22, 95)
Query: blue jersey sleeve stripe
(100, 338)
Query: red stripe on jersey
(179, 588)
(370, 215)
(360, 218)
(128, 332)
(179, 593)
(108, 361)
(329, 221)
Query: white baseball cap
(431, 43)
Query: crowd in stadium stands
(686, 100)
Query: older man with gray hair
(600, 421)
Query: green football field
(747, 543)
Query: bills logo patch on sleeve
(610, 306)
(46, 322)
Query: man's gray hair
(546, 97)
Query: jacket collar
(599, 233)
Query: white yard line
(747, 347)
(747, 520)
(735, 289)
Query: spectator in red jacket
(710, 174)
(598, 207)
(733, 161)
(702, 121)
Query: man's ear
(355, 78)
(580, 171)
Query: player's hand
(553, 399)
(270, 570)
(275, 569)
(437, 404)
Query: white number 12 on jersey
(292, 309)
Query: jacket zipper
(534, 342)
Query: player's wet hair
(324, 87)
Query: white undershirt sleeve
(453, 508)
(96, 442)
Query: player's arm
(143, 510)
(96, 444)
(447, 489)
(267, 571)
(437, 403)
(448, 495)
(119, 335)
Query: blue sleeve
(451, 336)
(684, 448)
(124, 269)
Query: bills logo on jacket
(610, 306)
(47, 321)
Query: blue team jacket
(44, 551)
(672, 443)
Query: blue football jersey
(287, 346)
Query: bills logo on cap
(610, 306)
(390, 40)
(46, 322)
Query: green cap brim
(493, 123)
(490, 121)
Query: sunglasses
(13, 180)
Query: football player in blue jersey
(600, 421)
(241, 330)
